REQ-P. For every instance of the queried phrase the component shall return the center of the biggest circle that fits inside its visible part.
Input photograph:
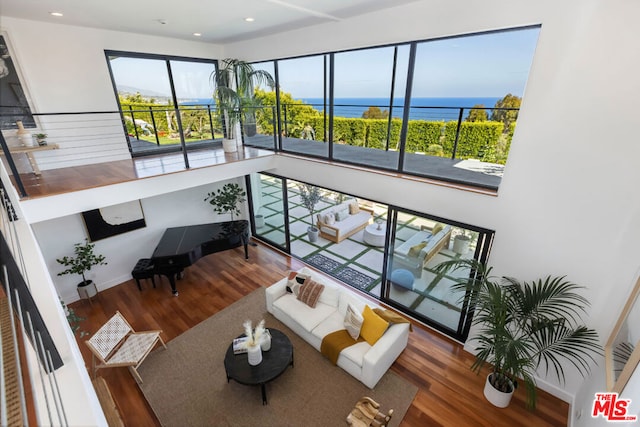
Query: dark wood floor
(450, 394)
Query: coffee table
(274, 363)
(374, 236)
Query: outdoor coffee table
(274, 363)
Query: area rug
(186, 384)
(323, 263)
(354, 278)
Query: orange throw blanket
(335, 342)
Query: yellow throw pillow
(354, 208)
(373, 326)
(414, 251)
(436, 228)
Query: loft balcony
(90, 149)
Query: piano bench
(144, 269)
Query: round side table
(374, 236)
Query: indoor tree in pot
(225, 200)
(310, 195)
(82, 262)
(235, 82)
(522, 326)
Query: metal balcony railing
(24, 336)
(431, 133)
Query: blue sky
(485, 65)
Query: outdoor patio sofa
(344, 220)
(416, 251)
(367, 363)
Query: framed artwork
(14, 105)
(113, 220)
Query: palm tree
(235, 83)
(523, 326)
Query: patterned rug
(347, 274)
(355, 278)
(323, 263)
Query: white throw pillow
(353, 321)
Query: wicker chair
(116, 344)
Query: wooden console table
(29, 153)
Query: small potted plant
(73, 319)
(225, 200)
(41, 138)
(310, 196)
(82, 262)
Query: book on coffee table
(240, 345)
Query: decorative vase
(265, 343)
(495, 396)
(24, 136)
(254, 354)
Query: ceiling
(217, 21)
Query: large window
(303, 104)
(165, 101)
(443, 109)
(387, 252)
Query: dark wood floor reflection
(450, 394)
(64, 180)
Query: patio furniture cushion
(403, 278)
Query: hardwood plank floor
(450, 394)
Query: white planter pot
(497, 397)
(461, 244)
(87, 290)
(254, 354)
(312, 234)
(229, 145)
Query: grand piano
(180, 247)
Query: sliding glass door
(384, 251)
(419, 244)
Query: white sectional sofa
(365, 362)
(341, 227)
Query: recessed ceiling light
(197, 34)
(55, 13)
(249, 19)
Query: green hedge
(475, 140)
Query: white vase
(495, 396)
(265, 343)
(254, 354)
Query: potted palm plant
(310, 195)
(82, 262)
(225, 200)
(522, 326)
(235, 82)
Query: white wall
(567, 203)
(186, 207)
(65, 70)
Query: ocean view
(422, 108)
